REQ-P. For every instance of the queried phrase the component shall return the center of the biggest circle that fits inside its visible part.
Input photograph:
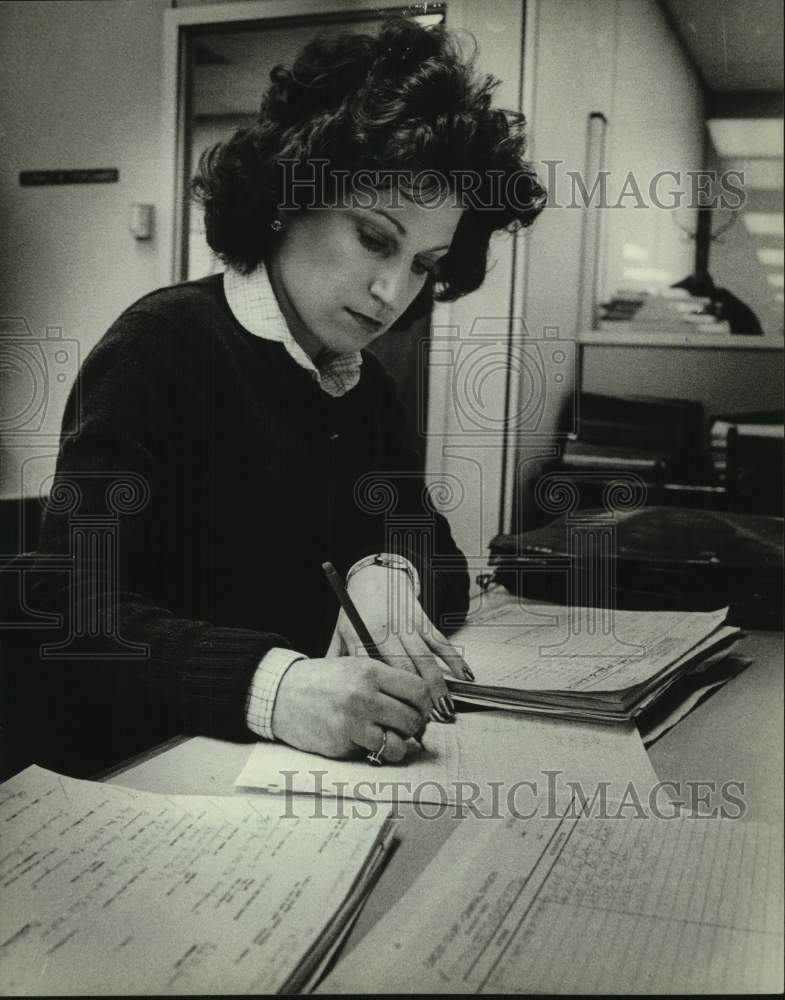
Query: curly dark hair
(405, 100)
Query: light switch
(141, 220)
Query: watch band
(389, 561)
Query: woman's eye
(420, 267)
(371, 242)
(384, 248)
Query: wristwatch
(389, 561)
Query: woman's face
(343, 275)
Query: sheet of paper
(107, 890)
(590, 905)
(577, 714)
(579, 649)
(762, 430)
(701, 658)
(709, 653)
(731, 666)
(481, 750)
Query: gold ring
(375, 756)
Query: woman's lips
(367, 323)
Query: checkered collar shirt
(255, 307)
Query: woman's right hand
(339, 705)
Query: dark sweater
(250, 471)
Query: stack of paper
(668, 310)
(619, 904)
(584, 663)
(112, 891)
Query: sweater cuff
(216, 676)
(264, 689)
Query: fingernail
(444, 705)
(468, 674)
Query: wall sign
(90, 175)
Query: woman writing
(258, 436)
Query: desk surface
(735, 735)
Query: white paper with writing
(590, 905)
(108, 890)
(479, 749)
(578, 649)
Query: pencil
(358, 624)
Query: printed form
(580, 649)
(584, 905)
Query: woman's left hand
(403, 634)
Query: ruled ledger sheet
(584, 905)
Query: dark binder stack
(663, 558)
(661, 439)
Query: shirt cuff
(264, 689)
(411, 570)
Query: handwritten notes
(106, 890)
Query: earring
(276, 225)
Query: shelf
(625, 336)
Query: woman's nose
(388, 284)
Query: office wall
(617, 57)
(82, 81)
(724, 380)
(656, 124)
